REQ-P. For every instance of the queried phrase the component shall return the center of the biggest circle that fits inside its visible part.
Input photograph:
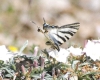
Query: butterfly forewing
(59, 35)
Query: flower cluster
(73, 63)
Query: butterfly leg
(39, 30)
(53, 46)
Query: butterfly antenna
(35, 24)
(44, 20)
(39, 30)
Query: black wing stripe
(59, 42)
(68, 32)
(72, 32)
(74, 26)
(67, 37)
(61, 38)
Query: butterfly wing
(59, 35)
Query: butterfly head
(45, 25)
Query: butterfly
(58, 35)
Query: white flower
(92, 49)
(4, 54)
(75, 51)
(60, 56)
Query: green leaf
(23, 47)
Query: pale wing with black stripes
(59, 35)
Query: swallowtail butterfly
(58, 35)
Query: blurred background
(16, 16)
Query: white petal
(60, 56)
(92, 49)
(75, 51)
(4, 54)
